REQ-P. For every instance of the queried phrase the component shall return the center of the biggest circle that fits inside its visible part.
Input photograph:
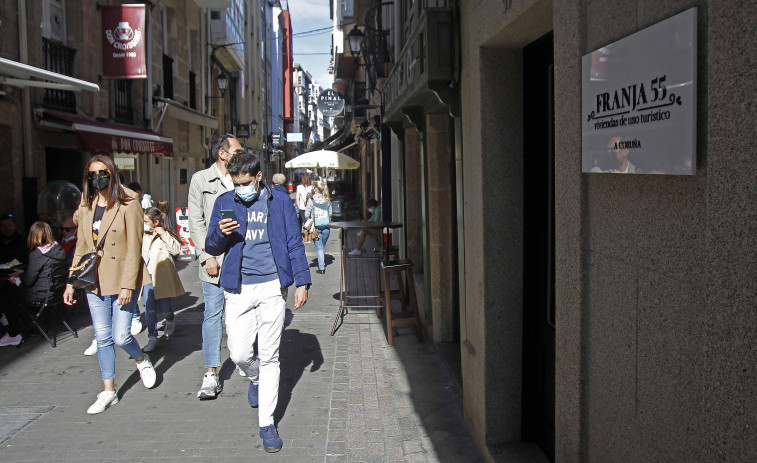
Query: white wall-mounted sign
(639, 101)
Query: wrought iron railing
(123, 104)
(60, 59)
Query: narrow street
(349, 397)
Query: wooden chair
(400, 268)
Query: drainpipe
(26, 105)
(148, 94)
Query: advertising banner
(639, 101)
(182, 227)
(123, 39)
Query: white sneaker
(92, 349)
(152, 343)
(136, 326)
(170, 328)
(355, 252)
(104, 400)
(147, 372)
(211, 387)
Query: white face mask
(371, 209)
(148, 229)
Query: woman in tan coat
(111, 213)
(159, 245)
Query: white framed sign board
(639, 101)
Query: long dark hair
(115, 188)
(156, 215)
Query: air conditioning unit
(54, 20)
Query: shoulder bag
(84, 274)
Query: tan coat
(121, 264)
(157, 252)
(205, 187)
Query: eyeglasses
(91, 174)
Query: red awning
(95, 136)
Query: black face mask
(100, 182)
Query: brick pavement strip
(349, 397)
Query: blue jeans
(136, 305)
(112, 323)
(212, 328)
(320, 247)
(152, 307)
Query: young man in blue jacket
(264, 256)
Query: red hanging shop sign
(123, 36)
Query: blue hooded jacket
(283, 233)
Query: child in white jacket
(159, 245)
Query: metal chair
(52, 307)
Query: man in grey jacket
(205, 187)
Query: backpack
(321, 214)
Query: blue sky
(308, 15)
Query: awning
(19, 75)
(184, 113)
(328, 141)
(96, 136)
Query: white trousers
(258, 310)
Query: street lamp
(254, 126)
(355, 38)
(222, 82)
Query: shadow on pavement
(186, 339)
(298, 351)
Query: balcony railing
(59, 58)
(123, 105)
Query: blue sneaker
(252, 395)
(271, 440)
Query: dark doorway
(63, 164)
(539, 254)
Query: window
(192, 90)
(167, 76)
(59, 58)
(124, 110)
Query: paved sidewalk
(349, 397)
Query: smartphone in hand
(228, 214)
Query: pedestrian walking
(111, 213)
(256, 228)
(205, 187)
(319, 209)
(159, 245)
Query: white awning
(184, 113)
(20, 75)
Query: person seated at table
(47, 265)
(12, 245)
(374, 208)
(68, 238)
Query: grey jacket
(205, 187)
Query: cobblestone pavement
(347, 397)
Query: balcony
(425, 67)
(227, 27)
(59, 58)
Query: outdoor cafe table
(344, 297)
